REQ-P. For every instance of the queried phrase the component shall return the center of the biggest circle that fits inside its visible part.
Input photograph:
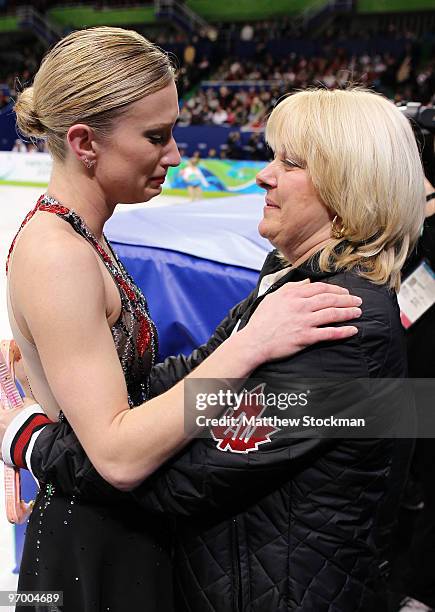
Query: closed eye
(289, 163)
(159, 138)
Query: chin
(262, 229)
(154, 191)
(148, 196)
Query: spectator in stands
(234, 145)
(189, 54)
(220, 116)
(4, 99)
(247, 32)
(255, 147)
(19, 146)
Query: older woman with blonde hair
(304, 523)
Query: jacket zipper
(238, 594)
(237, 570)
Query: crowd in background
(240, 90)
(248, 105)
(17, 68)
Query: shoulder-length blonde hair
(363, 160)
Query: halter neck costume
(109, 556)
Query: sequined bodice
(134, 333)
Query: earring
(336, 232)
(88, 162)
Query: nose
(171, 156)
(266, 178)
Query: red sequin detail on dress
(128, 290)
(102, 252)
(144, 335)
(54, 208)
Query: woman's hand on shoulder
(298, 315)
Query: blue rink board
(187, 296)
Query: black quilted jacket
(300, 524)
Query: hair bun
(28, 122)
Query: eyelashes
(290, 163)
(159, 139)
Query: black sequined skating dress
(104, 556)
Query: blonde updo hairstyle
(90, 77)
(363, 160)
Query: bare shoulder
(52, 261)
(50, 244)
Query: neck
(75, 189)
(304, 251)
(308, 254)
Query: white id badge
(417, 294)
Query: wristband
(21, 434)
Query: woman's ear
(80, 138)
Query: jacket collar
(308, 269)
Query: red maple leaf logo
(243, 435)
